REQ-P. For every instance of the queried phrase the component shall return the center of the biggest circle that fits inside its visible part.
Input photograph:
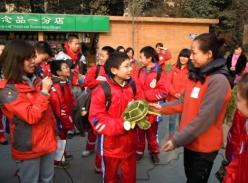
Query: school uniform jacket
(115, 141)
(32, 124)
(90, 77)
(178, 78)
(203, 108)
(63, 101)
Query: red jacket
(203, 109)
(154, 90)
(90, 77)
(237, 150)
(163, 57)
(32, 124)
(63, 101)
(178, 78)
(46, 69)
(114, 140)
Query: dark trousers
(198, 165)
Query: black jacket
(240, 65)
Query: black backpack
(81, 115)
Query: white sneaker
(86, 153)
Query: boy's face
(242, 105)
(145, 61)
(41, 58)
(103, 57)
(74, 45)
(64, 71)
(124, 72)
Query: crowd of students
(38, 91)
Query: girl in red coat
(117, 142)
(25, 101)
(62, 100)
(237, 146)
(178, 78)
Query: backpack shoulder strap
(139, 71)
(133, 86)
(158, 74)
(107, 92)
(98, 67)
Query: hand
(101, 78)
(169, 146)
(156, 106)
(46, 84)
(232, 68)
(177, 95)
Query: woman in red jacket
(203, 107)
(237, 144)
(117, 142)
(178, 77)
(24, 100)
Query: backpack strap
(98, 67)
(158, 73)
(107, 92)
(133, 86)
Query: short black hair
(150, 52)
(159, 45)
(108, 49)
(55, 66)
(120, 48)
(114, 61)
(71, 37)
(43, 47)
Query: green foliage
(231, 106)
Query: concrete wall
(144, 31)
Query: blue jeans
(174, 123)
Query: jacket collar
(217, 66)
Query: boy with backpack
(94, 77)
(117, 142)
(62, 101)
(155, 85)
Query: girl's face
(130, 54)
(123, 73)
(242, 105)
(64, 71)
(145, 61)
(238, 51)
(184, 60)
(29, 66)
(103, 57)
(198, 58)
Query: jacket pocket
(22, 135)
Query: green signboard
(53, 22)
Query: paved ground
(81, 169)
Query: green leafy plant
(231, 106)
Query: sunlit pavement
(81, 170)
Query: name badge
(195, 92)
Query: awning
(53, 22)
